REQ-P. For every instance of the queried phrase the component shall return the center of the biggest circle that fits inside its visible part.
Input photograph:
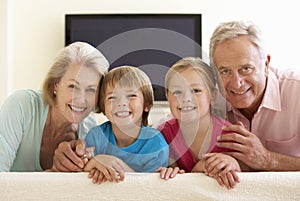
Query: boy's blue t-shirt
(149, 152)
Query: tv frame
(197, 17)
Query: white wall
(32, 31)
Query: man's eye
(247, 70)
(224, 72)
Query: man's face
(243, 72)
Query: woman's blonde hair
(76, 53)
(128, 76)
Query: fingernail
(80, 164)
(218, 137)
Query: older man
(263, 102)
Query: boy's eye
(132, 95)
(195, 91)
(177, 92)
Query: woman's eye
(73, 86)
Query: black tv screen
(151, 42)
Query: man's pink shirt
(277, 120)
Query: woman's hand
(71, 156)
(169, 172)
(109, 168)
(223, 168)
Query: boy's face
(124, 106)
(188, 97)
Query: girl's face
(124, 106)
(188, 96)
(77, 93)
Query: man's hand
(246, 147)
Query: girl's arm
(223, 168)
(170, 172)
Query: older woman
(33, 123)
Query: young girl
(125, 142)
(192, 94)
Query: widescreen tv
(151, 42)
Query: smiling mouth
(240, 92)
(186, 109)
(77, 109)
(122, 114)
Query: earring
(54, 92)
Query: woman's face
(77, 93)
(188, 96)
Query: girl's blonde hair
(128, 76)
(210, 77)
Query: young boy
(125, 142)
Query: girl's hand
(229, 179)
(169, 172)
(223, 168)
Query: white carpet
(148, 186)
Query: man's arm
(249, 149)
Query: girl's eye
(91, 90)
(111, 98)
